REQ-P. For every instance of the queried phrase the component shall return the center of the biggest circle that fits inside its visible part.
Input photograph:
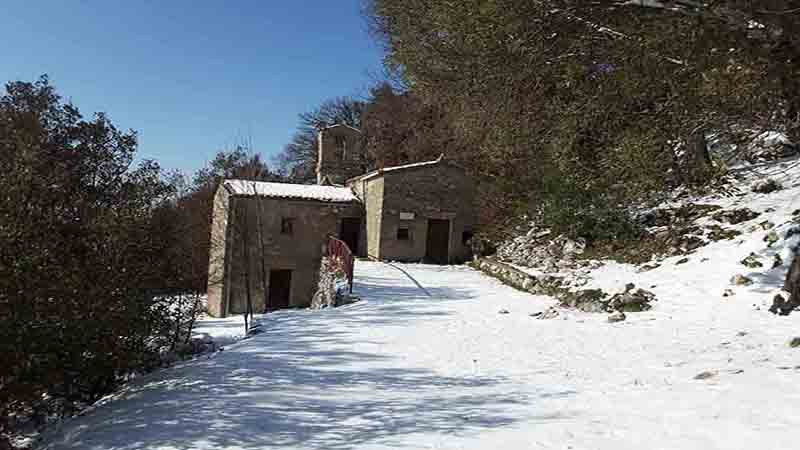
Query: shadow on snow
(301, 383)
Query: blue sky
(192, 77)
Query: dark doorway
(350, 232)
(280, 287)
(436, 247)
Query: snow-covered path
(437, 366)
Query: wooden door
(438, 242)
(280, 288)
(350, 232)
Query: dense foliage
(95, 282)
(570, 107)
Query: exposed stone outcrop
(632, 300)
(618, 316)
(597, 301)
(735, 216)
(685, 214)
(537, 248)
(771, 238)
(766, 186)
(770, 146)
(549, 313)
(781, 306)
(718, 233)
(741, 280)
(752, 261)
(587, 300)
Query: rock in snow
(766, 186)
(741, 280)
(781, 306)
(618, 316)
(549, 313)
(752, 261)
(535, 249)
(705, 375)
(632, 300)
(736, 216)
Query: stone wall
(371, 194)
(537, 285)
(301, 251)
(217, 252)
(586, 300)
(340, 154)
(413, 196)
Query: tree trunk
(792, 283)
(698, 165)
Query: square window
(403, 234)
(287, 226)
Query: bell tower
(340, 155)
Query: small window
(403, 234)
(466, 236)
(341, 146)
(287, 226)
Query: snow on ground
(436, 366)
(426, 360)
(223, 331)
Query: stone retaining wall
(586, 300)
(537, 285)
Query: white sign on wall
(406, 216)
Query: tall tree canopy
(83, 298)
(399, 127)
(567, 102)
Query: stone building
(281, 229)
(340, 155)
(417, 212)
(270, 237)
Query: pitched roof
(337, 125)
(379, 172)
(333, 194)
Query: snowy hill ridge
(752, 234)
(762, 252)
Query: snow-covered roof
(335, 194)
(375, 173)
